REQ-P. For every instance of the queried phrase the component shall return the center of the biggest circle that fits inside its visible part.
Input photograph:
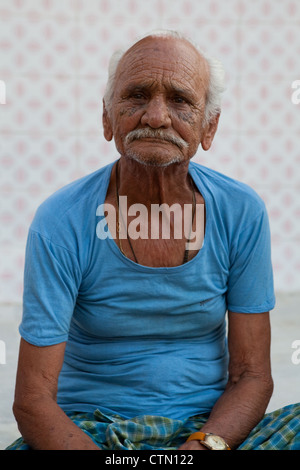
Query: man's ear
(209, 132)
(107, 127)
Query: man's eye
(137, 96)
(179, 100)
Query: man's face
(160, 88)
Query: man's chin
(155, 160)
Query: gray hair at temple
(216, 76)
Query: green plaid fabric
(279, 430)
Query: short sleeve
(250, 282)
(51, 282)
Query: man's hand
(192, 445)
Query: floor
(286, 365)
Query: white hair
(216, 75)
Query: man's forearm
(44, 426)
(239, 409)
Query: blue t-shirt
(143, 340)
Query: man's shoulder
(71, 201)
(227, 190)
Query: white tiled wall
(53, 60)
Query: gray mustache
(155, 134)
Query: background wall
(54, 57)
(53, 60)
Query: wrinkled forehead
(161, 56)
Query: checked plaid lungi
(278, 430)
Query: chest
(157, 235)
(143, 302)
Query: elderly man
(124, 340)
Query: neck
(147, 184)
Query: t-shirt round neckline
(163, 269)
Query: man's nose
(157, 113)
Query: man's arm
(250, 384)
(42, 423)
